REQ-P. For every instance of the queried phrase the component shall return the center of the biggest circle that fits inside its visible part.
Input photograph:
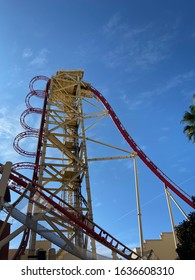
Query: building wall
(40, 245)
(163, 248)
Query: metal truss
(59, 193)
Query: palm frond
(189, 121)
(188, 118)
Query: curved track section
(23, 165)
(37, 93)
(28, 133)
(26, 113)
(23, 135)
(161, 175)
(53, 205)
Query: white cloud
(165, 128)
(7, 123)
(173, 82)
(147, 97)
(113, 24)
(182, 169)
(18, 83)
(151, 52)
(129, 164)
(9, 128)
(138, 53)
(98, 204)
(143, 147)
(132, 32)
(162, 138)
(41, 59)
(193, 34)
(132, 104)
(136, 46)
(27, 53)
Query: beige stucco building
(154, 249)
(160, 249)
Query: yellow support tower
(63, 163)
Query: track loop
(37, 78)
(29, 131)
(37, 93)
(26, 113)
(23, 165)
(19, 137)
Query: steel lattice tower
(58, 196)
(63, 162)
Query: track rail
(31, 132)
(62, 209)
(157, 171)
(68, 212)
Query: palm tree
(189, 120)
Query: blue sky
(140, 56)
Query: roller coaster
(57, 197)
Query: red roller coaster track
(89, 227)
(159, 173)
(31, 132)
(70, 213)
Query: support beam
(112, 158)
(179, 207)
(171, 216)
(4, 178)
(138, 209)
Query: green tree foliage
(189, 121)
(186, 238)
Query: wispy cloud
(180, 166)
(137, 46)
(132, 104)
(165, 128)
(162, 138)
(146, 97)
(41, 59)
(98, 204)
(7, 123)
(193, 34)
(182, 169)
(113, 24)
(9, 128)
(153, 51)
(129, 164)
(136, 53)
(27, 53)
(173, 82)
